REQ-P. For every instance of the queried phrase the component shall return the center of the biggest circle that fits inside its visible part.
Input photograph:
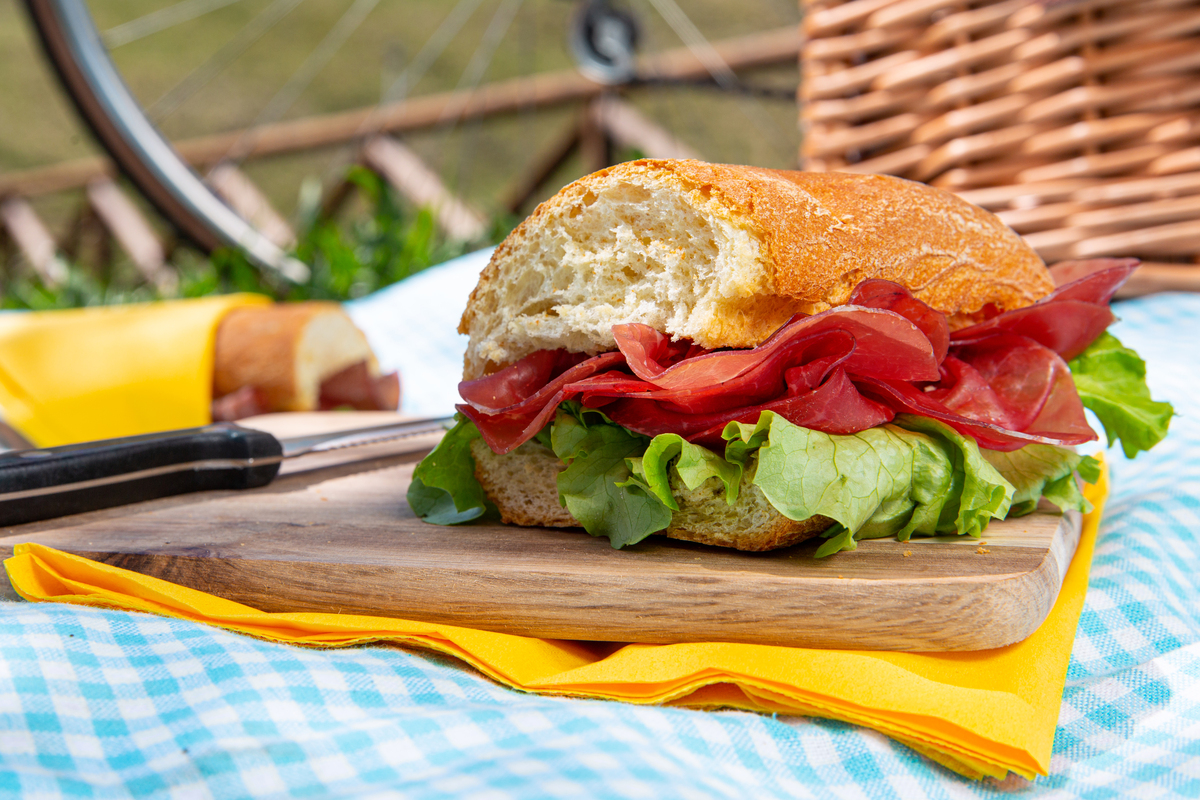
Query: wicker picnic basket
(1077, 121)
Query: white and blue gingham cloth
(105, 704)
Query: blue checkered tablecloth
(114, 705)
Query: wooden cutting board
(333, 533)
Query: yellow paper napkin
(95, 373)
(979, 713)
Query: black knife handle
(73, 478)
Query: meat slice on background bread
(296, 357)
(722, 256)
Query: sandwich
(295, 357)
(750, 358)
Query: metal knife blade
(294, 446)
(42, 483)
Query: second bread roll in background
(296, 357)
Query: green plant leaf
(917, 476)
(599, 486)
(1038, 470)
(695, 465)
(444, 490)
(984, 492)
(1111, 381)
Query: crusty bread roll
(286, 351)
(724, 255)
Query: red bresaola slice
(1065, 326)
(357, 388)
(1070, 318)
(1095, 280)
(800, 365)
(836, 406)
(518, 381)
(1033, 382)
(1002, 381)
(1006, 391)
(904, 397)
(886, 345)
(889, 296)
(508, 428)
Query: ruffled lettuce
(1042, 470)
(1111, 381)
(596, 486)
(914, 477)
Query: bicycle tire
(72, 44)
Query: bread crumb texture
(724, 255)
(523, 485)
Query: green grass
(383, 241)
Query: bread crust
(271, 349)
(818, 236)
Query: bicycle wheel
(120, 120)
(116, 119)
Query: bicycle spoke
(429, 53)
(160, 20)
(200, 77)
(725, 77)
(290, 92)
(481, 59)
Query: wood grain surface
(334, 534)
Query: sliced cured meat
(904, 397)
(1006, 391)
(508, 428)
(889, 296)
(248, 401)
(355, 387)
(967, 393)
(1065, 326)
(800, 365)
(1094, 280)
(1070, 318)
(1033, 383)
(1003, 381)
(518, 381)
(886, 344)
(836, 406)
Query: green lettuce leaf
(695, 465)
(1038, 470)
(914, 477)
(1111, 381)
(918, 476)
(443, 489)
(804, 472)
(599, 487)
(978, 491)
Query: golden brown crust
(822, 233)
(827, 231)
(780, 532)
(257, 346)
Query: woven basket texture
(1077, 121)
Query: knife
(42, 483)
